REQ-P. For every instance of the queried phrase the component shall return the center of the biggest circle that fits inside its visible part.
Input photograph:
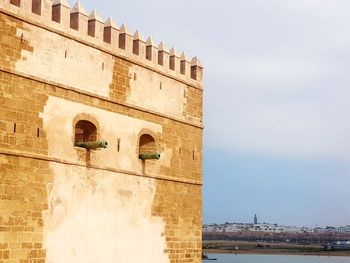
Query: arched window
(36, 7)
(85, 131)
(147, 144)
(147, 148)
(15, 2)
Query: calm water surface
(228, 258)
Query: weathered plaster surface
(65, 61)
(98, 216)
(58, 118)
(156, 92)
(95, 215)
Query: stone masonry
(68, 76)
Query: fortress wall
(178, 134)
(77, 65)
(60, 203)
(174, 201)
(23, 198)
(101, 216)
(156, 92)
(74, 58)
(65, 61)
(55, 213)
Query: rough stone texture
(60, 203)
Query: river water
(231, 258)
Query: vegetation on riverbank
(242, 247)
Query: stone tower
(67, 76)
(255, 219)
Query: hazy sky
(277, 86)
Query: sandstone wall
(60, 203)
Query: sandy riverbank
(229, 247)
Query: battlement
(91, 28)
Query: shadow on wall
(147, 150)
(85, 131)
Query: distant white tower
(255, 219)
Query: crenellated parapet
(91, 28)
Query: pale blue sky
(276, 101)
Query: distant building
(208, 228)
(255, 219)
(343, 229)
(306, 230)
(292, 229)
(232, 229)
(270, 228)
(319, 230)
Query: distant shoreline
(256, 252)
(229, 247)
